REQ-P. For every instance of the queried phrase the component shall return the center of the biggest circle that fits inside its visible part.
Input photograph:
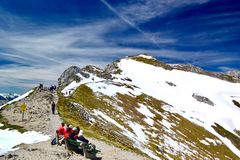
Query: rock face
(68, 76)
(235, 74)
(232, 76)
(131, 103)
(83, 112)
(188, 68)
(202, 99)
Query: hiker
(66, 135)
(69, 127)
(74, 133)
(60, 134)
(78, 129)
(40, 87)
(53, 107)
(80, 137)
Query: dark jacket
(83, 139)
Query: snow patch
(166, 124)
(107, 118)
(146, 112)
(138, 130)
(11, 138)
(111, 89)
(152, 83)
(69, 89)
(174, 147)
(204, 142)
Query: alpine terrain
(5, 97)
(136, 108)
(160, 110)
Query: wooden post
(23, 109)
(22, 116)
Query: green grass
(233, 138)
(153, 62)
(185, 131)
(85, 96)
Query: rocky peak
(234, 73)
(92, 69)
(188, 68)
(230, 76)
(68, 76)
(111, 69)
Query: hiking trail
(39, 118)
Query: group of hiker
(52, 88)
(73, 133)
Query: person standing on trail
(53, 107)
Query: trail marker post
(23, 109)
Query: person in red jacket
(67, 133)
(61, 129)
(59, 134)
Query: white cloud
(144, 10)
(44, 53)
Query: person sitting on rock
(78, 129)
(61, 128)
(69, 128)
(67, 133)
(60, 134)
(80, 137)
(73, 134)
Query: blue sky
(41, 38)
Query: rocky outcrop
(235, 74)
(223, 76)
(68, 76)
(236, 103)
(188, 68)
(202, 99)
(83, 112)
(92, 69)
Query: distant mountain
(165, 111)
(6, 97)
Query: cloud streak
(32, 52)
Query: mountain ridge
(121, 100)
(6, 97)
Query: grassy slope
(184, 131)
(84, 96)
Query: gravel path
(39, 118)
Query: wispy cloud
(36, 51)
(144, 10)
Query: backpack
(54, 141)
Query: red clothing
(66, 135)
(61, 130)
(70, 132)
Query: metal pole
(22, 116)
